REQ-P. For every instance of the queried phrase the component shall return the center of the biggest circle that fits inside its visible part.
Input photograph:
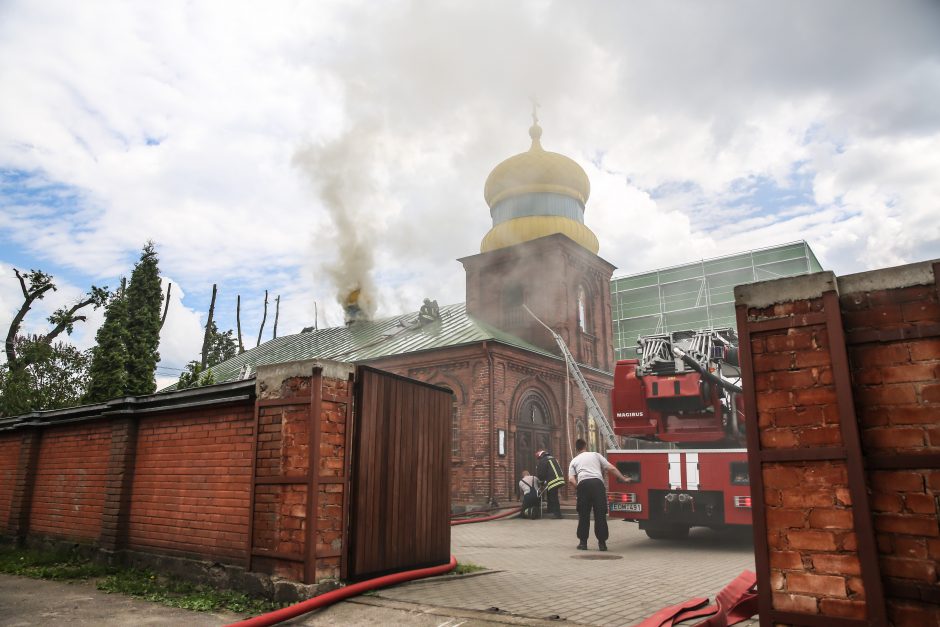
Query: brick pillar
(300, 470)
(814, 543)
(18, 525)
(117, 498)
(892, 324)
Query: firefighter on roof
(549, 472)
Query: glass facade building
(698, 295)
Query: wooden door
(533, 434)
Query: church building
(513, 395)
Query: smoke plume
(342, 171)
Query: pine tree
(109, 357)
(144, 301)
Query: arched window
(512, 299)
(580, 431)
(581, 309)
(592, 434)
(584, 311)
(454, 426)
(533, 412)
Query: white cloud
(180, 122)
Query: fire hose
(329, 598)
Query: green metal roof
(372, 339)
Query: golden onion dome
(527, 229)
(536, 170)
(536, 194)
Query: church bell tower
(540, 254)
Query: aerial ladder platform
(594, 409)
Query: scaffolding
(697, 295)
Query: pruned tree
(144, 301)
(166, 304)
(35, 284)
(238, 322)
(210, 325)
(40, 373)
(263, 318)
(108, 372)
(277, 313)
(219, 347)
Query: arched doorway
(533, 433)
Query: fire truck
(680, 402)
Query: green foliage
(222, 346)
(44, 377)
(70, 565)
(194, 376)
(144, 302)
(65, 316)
(38, 282)
(147, 585)
(58, 565)
(108, 373)
(464, 568)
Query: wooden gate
(400, 491)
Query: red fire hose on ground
(329, 598)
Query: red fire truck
(682, 397)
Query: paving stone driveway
(540, 574)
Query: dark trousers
(554, 507)
(592, 496)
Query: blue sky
(299, 147)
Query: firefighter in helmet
(550, 474)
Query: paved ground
(542, 575)
(535, 575)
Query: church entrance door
(533, 434)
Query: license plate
(626, 507)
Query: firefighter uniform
(549, 473)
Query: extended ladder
(589, 399)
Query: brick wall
(191, 482)
(841, 377)
(515, 372)
(183, 475)
(69, 485)
(893, 340)
(9, 459)
(301, 470)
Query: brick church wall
(844, 452)
(466, 371)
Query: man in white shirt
(586, 474)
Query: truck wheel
(668, 532)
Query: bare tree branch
(238, 322)
(166, 306)
(205, 338)
(265, 317)
(65, 318)
(277, 313)
(39, 284)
